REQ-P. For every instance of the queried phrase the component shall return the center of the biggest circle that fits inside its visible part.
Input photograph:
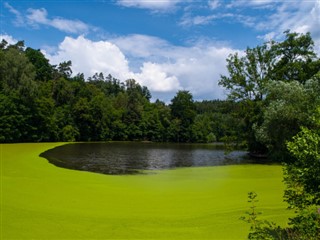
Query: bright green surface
(41, 201)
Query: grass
(41, 201)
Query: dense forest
(42, 102)
(273, 91)
(273, 109)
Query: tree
(64, 70)
(289, 106)
(16, 72)
(248, 74)
(44, 71)
(302, 191)
(291, 60)
(294, 58)
(183, 109)
(302, 176)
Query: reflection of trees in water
(132, 158)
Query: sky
(166, 45)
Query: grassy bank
(41, 201)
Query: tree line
(43, 102)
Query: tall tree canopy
(44, 102)
(249, 80)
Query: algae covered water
(134, 157)
(41, 201)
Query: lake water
(134, 157)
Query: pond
(136, 157)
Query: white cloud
(197, 20)
(196, 68)
(9, 39)
(297, 16)
(214, 4)
(19, 18)
(260, 2)
(157, 5)
(37, 17)
(252, 3)
(188, 20)
(141, 45)
(156, 78)
(89, 57)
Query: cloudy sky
(166, 45)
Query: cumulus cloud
(90, 57)
(9, 39)
(156, 78)
(196, 68)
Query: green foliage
(304, 226)
(302, 176)
(248, 74)
(260, 229)
(43, 102)
(211, 138)
(289, 106)
(183, 112)
(44, 71)
(39, 100)
(271, 82)
(294, 58)
(69, 134)
(302, 193)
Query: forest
(272, 109)
(42, 102)
(273, 90)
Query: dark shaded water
(132, 158)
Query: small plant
(260, 229)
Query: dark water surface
(133, 157)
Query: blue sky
(166, 45)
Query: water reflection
(132, 158)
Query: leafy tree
(295, 58)
(202, 130)
(302, 176)
(83, 119)
(69, 133)
(16, 73)
(44, 71)
(62, 91)
(102, 111)
(63, 70)
(290, 105)
(248, 74)
(11, 118)
(183, 109)
(302, 192)
(43, 117)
